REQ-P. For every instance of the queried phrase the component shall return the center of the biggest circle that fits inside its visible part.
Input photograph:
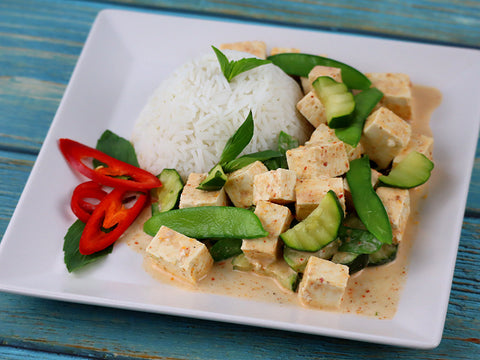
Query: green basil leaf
(358, 241)
(215, 179)
(238, 141)
(245, 160)
(72, 257)
(285, 142)
(117, 147)
(365, 102)
(233, 68)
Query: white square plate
(125, 57)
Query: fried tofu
(257, 48)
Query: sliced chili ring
(79, 204)
(114, 173)
(104, 226)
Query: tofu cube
(281, 50)
(275, 219)
(309, 193)
(397, 204)
(384, 136)
(180, 255)
(257, 48)
(277, 186)
(239, 185)
(312, 109)
(397, 91)
(306, 86)
(418, 142)
(319, 160)
(193, 197)
(324, 134)
(323, 284)
(319, 70)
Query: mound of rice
(190, 117)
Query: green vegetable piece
(285, 142)
(301, 64)
(365, 102)
(337, 99)
(238, 141)
(117, 147)
(215, 179)
(355, 262)
(166, 197)
(72, 257)
(233, 68)
(297, 259)
(225, 249)
(367, 204)
(245, 160)
(207, 222)
(412, 171)
(358, 241)
(241, 263)
(387, 253)
(319, 229)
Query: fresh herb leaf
(365, 102)
(226, 248)
(72, 257)
(233, 68)
(358, 241)
(238, 141)
(117, 147)
(285, 142)
(245, 160)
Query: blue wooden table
(40, 42)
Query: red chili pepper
(109, 220)
(132, 177)
(87, 190)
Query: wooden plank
(13, 353)
(453, 22)
(93, 331)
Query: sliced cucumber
(337, 99)
(412, 171)
(387, 253)
(319, 229)
(278, 270)
(355, 262)
(283, 274)
(241, 263)
(297, 260)
(166, 197)
(215, 179)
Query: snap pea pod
(207, 222)
(368, 205)
(300, 65)
(365, 102)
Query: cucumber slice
(319, 229)
(215, 179)
(412, 171)
(297, 260)
(166, 197)
(285, 276)
(337, 99)
(241, 263)
(355, 262)
(387, 253)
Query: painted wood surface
(39, 45)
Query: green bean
(368, 205)
(301, 64)
(207, 222)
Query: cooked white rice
(190, 117)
